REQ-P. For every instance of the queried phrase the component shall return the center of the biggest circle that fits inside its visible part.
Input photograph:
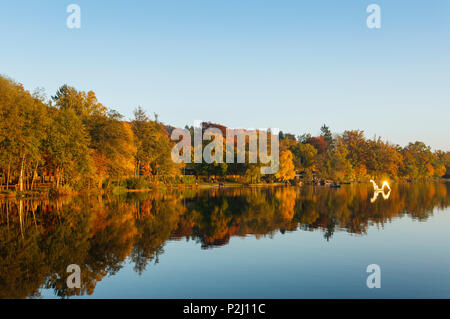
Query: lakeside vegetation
(72, 143)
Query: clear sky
(292, 65)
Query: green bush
(188, 180)
(136, 183)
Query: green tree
(67, 148)
(153, 146)
(304, 156)
(327, 135)
(335, 164)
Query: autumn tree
(22, 130)
(114, 145)
(335, 164)
(443, 162)
(286, 169)
(82, 103)
(319, 143)
(419, 161)
(304, 156)
(385, 160)
(67, 148)
(153, 155)
(359, 153)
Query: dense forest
(72, 142)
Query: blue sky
(292, 65)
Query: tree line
(346, 157)
(75, 140)
(72, 142)
(351, 156)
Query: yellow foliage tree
(286, 170)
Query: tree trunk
(56, 177)
(21, 174)
(34, 175)
(27, 178)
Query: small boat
(335, 186)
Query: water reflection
(39, 238)
(378, 193)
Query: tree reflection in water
(39, 238)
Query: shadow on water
(40, 238)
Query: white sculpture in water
(378, 191)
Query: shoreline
(45, 193)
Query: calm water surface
(282, 242)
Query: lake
(241, 242)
